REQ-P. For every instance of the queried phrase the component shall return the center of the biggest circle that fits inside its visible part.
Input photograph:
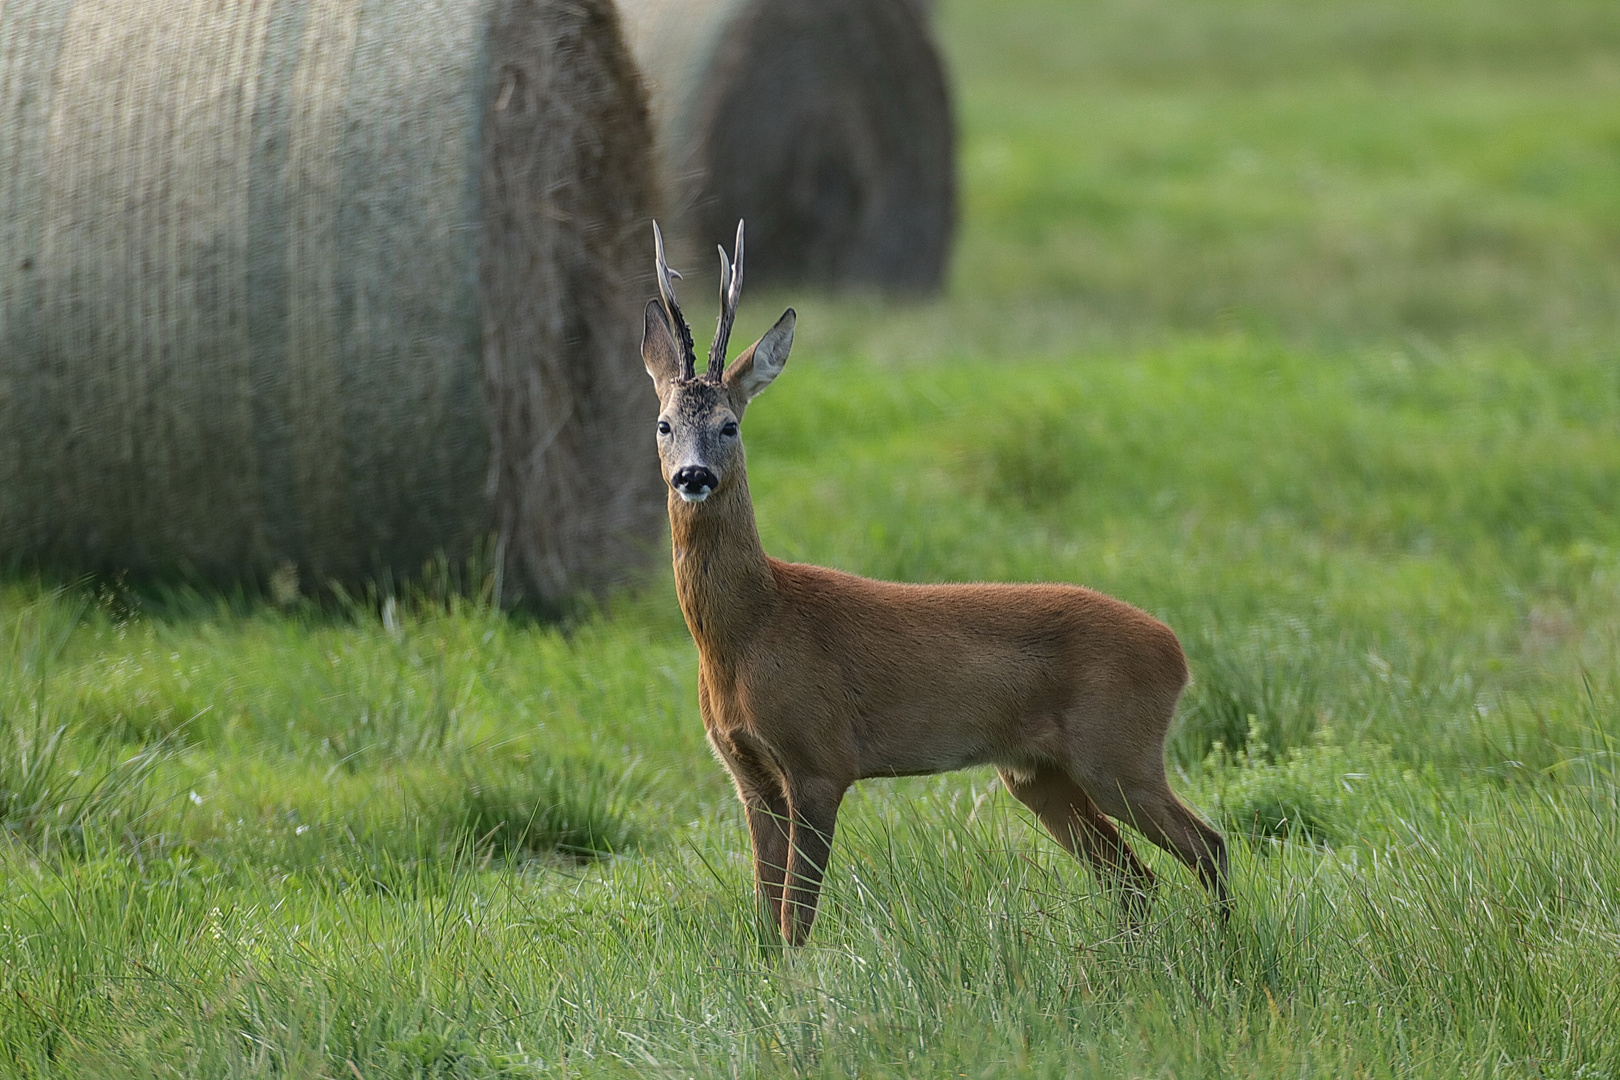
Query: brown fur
(811, 679)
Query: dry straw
(825, 123)
(348, 284)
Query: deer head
(699, 445)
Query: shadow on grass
(419, 833)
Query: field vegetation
(1295, 322)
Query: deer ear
(753, 371)
(658, 349)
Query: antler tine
(731, 279)
(666, 292)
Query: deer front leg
(813, 812)
(767, 812)
(765, 806)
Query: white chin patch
(688, 497)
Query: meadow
(1294, 322)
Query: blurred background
(1334, 172)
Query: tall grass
(60, 787)
(948, 937)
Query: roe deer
(810, 679)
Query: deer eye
(663, 427)
(729, 429)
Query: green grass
(1294, 323)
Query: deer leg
(1075, 822)
(765, 806)
(812, 811)
(768, 832)
(1165, 820)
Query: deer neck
(722, 579)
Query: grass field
(1295, 322)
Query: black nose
(694, 480)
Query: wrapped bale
(337, 284)
(825, 123)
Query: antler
(731, 278)
(666, 291)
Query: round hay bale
(826, 124)
(338, 284)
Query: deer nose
(693, 482)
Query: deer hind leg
(813, 812)
(1074, 820)
(1152, 807)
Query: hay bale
(338, 283)
(825, 123)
